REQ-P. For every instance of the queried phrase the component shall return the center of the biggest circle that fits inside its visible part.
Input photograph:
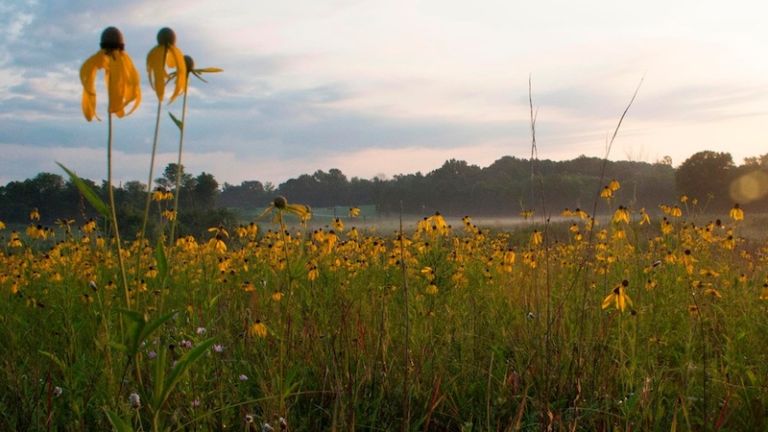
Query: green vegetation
(504, 332)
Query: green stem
(111, 195)
(143, 231)
(178, 165)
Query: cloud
(403, 84)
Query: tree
(204, 192)
(705, 176)
(168, 180)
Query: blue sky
(387, 87)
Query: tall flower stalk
(123, 88)
(177, 192)
(165, 53)
(190, 69)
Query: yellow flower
(34, 215)
(536, 238)
(304, 212)
(354, 212)
(166, 53)
(258, 329)
(736, 213)
(89, 226)
(644, 217)
(15, 240)
(313, 272)
(606, 193)
(120, 74)
(526, 214)
(614, 185)
(161, 194)
(432, 289)
(169, 214)
(666, 227)
(618, 297)
(713, 293)
(277, 296)
(338, 224)
(621, 215)
(2, 225)
(764, 292)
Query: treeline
(504, 188)
(57, 199)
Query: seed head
(112, 39)
(280, 202)
(166, 37)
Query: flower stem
(111, 195)
(178, 166)
(143, 231)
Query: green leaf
(178, 122)
(162, 260)
(213, 300)
(87, 192)
(153, 325)
(132, 315)
(119, 424)
(181, 366)
(159, 378)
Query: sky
(379, 88)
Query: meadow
(635, 320)
(630, 324)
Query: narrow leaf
(178, 122)
(162, 260)
(159, 377)
(87, 192)
(118, 423)
(153, 325)
(181, 366)
(135, 329)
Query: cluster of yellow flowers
(691, 254)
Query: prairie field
(630, 322)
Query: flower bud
(189, 62)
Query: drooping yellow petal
(116, 84)
(608, 300)
(300, 210)
(88, 72)
(209, 70)
(176, 59)
(133, 84)
(156, 70)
